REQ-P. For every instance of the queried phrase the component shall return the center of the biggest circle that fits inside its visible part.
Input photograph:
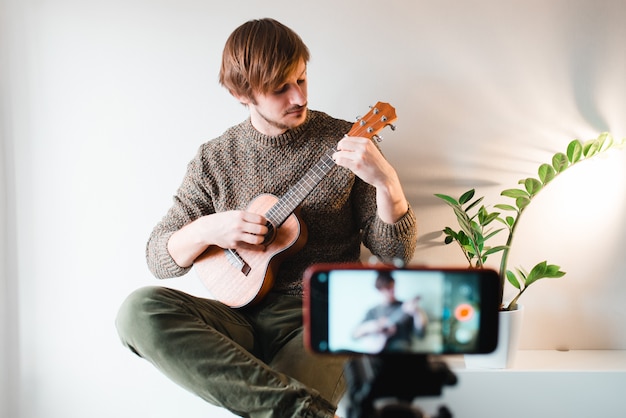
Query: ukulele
(240, 277)
(376, 331)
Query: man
(251, 360)
(393, 324)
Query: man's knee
(135, 317)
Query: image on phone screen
(408, 311)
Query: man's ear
(244, 100)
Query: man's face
(285, 108)
(389, 293)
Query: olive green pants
(250, 361)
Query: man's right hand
(231, 229)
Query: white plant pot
(509, 330)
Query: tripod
(384, 386)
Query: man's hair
(259, 56)
(384, 280)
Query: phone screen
(427, 311)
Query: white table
(541, 383)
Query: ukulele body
(242, 277)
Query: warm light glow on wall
(593, 191)
(580, 210)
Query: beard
(284, 125)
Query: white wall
(4, 312)
(110, 100)
(8, 305)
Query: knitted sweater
(340, 213)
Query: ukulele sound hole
(271, 233)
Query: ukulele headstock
(380, 116)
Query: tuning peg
(378, 138)
(392, 126)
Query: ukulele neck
(299, 191)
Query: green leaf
(474, 203)
(560, 162)
(574, 151)
(536, 273)
(469, 250)
(554, 272)
(533, 186)
(512, 279)
(465, 197)
(514, 193)
(462, 238)
(510, 220)
(546, 173)
(506, 207)
(543, 270)
(449, 239)
(486, 218)
(590, 148)
(522, 202)
(463, 220)
(605, 141)
(476, 229)
(481, 214)
(450, 200)
(491, 234)
(449, 231)
(494, 250)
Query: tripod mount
(384, 386)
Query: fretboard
(299, 191)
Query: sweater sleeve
(389, 242)
(395, 241)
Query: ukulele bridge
(239, 263)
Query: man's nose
(298, 95)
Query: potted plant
(476, 221)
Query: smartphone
(359, 309)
